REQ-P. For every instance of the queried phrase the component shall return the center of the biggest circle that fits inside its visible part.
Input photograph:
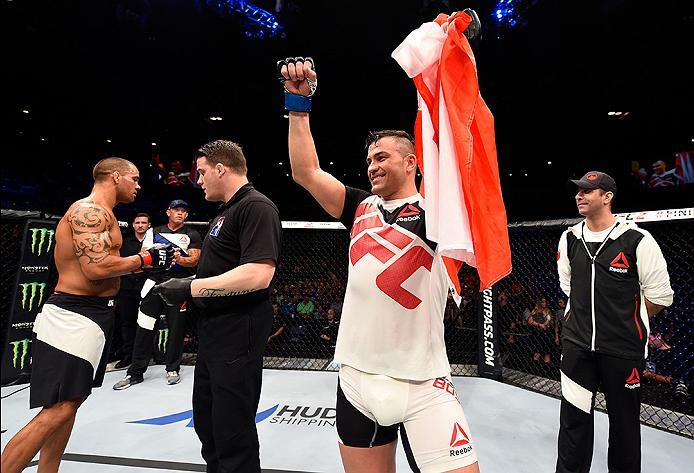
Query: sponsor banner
(31, 290)
(659, 215)
(314, 225)
(283, 415)
(489, 363)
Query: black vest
(605, 301)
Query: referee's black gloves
(175, 290)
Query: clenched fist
(298, 75)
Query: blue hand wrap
(297, 103)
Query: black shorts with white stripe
(72, 336)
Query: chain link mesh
(530, 354)
(311, 281)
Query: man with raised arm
(394, 371)
(73, 330)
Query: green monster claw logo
(163, 338)
(18, 360)
(38, 238)
(29, 290)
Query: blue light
(506, 12)
(262, 20)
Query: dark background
(142, 71)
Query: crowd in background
(307, 305)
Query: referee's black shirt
(247, 229)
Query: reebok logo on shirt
(619, 264)
(409, 214)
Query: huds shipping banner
(32, 287)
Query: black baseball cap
(178, 203)
(596, 180)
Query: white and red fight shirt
(392, 318)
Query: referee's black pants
(583, 373)
(226, 390)
(169, 340)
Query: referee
(231, 291)
(616, 278)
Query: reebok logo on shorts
(459, 439)
(634, 380)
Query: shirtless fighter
(73, 330)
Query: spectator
(509, 326)
(337, 306)
(278, 328)
(328, 333)
(128, 298)
(558, 320)
(540, 321)
(305, 307)
(287, 306)
(302, 332)
(661, 177)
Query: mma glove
(174, 291)
(295, 102)
(159, 256)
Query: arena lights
(216, 118)
(510, 174)
(549, 163)
(25, 111)
(108, 141)
(506, 12)
(153, 143)
(618, 114)
(261, 22)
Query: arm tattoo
(221, 292)
(91, 238)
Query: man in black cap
(170, 338)
(616, 278)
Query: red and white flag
(456, 151)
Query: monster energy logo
(39, 236)
(29, 290)
(18, 360)
(163, 338)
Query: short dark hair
(225, 152)
(404, 138)
(142, 214)
(108, 165)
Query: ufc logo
(395, 274)
(162, 257)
